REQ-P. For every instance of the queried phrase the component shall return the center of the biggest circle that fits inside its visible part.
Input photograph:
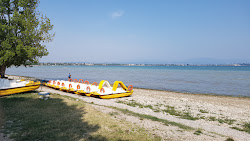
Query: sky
(148, 31)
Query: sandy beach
(214, 115)
(206, 117)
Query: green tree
(24, 32)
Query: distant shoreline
(135, 64)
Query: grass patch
(184, 115)
(237, 128)
(226, 120)
(203, 111)
(229, 139)
(26, 117)
(198, 132)
(157, 110)
(187, 115)
(212, 118)
(169, 109)
(132, 103)
(181, 114)
(245, 127)
(143, 116)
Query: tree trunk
(2, 71)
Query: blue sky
(149, 31)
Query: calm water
(193, 79)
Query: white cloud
(117, 14)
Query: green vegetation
(212, 118)
(185, 115)
(245, 127)
(143, 116)
(135, 104)
(203, 111)
(225, 120)
(23, 33)
(182, 114)
(237, 128)
(198, 132)
(171, 110)
(229, 139)
(26, 117)
(168, 109)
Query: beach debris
(44, 95)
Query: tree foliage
(23, 33)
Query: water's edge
(189, 79)
(203, 94)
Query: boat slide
(103, 90)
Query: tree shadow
(26, 117)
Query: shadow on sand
(26, 117)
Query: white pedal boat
(103, 90)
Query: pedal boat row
(103, 90)
(9, 87)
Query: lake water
(222, 80)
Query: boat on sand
(81, 87)
(8, 87)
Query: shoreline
(204, 94)
(189, 93)
(188, 116)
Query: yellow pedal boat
(8, 87)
